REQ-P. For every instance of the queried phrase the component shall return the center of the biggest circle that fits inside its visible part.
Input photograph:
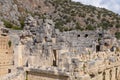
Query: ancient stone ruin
(6, 54)
(41, 52)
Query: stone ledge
(50, 71)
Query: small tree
(9, 43)
(117, 26)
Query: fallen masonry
(41, 52)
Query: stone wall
(108, 74)
(37, 74)
(6, 55)
(111, 73)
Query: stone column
(107, 76)
(99, 77)
(20, 48)
(118, 73)
(113, 74)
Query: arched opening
(86, 35)
(106, 44)
(9, 70)
(78, 35)
(100, 35)
(97, 48)
(92, 75)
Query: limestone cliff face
(66, 14)
(9, 10)
(13, 10)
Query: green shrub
(78, 27)
(11, 26)
(16, 28)
(7, 24)
(9, 43)
(68, 19)
(117, 35)
(105, 25)
(22, 20)
(59, 26)
(90, 27)
(117, 26)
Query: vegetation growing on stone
(91, 17)
(9, 43)
(117, 35)
(11, 25)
